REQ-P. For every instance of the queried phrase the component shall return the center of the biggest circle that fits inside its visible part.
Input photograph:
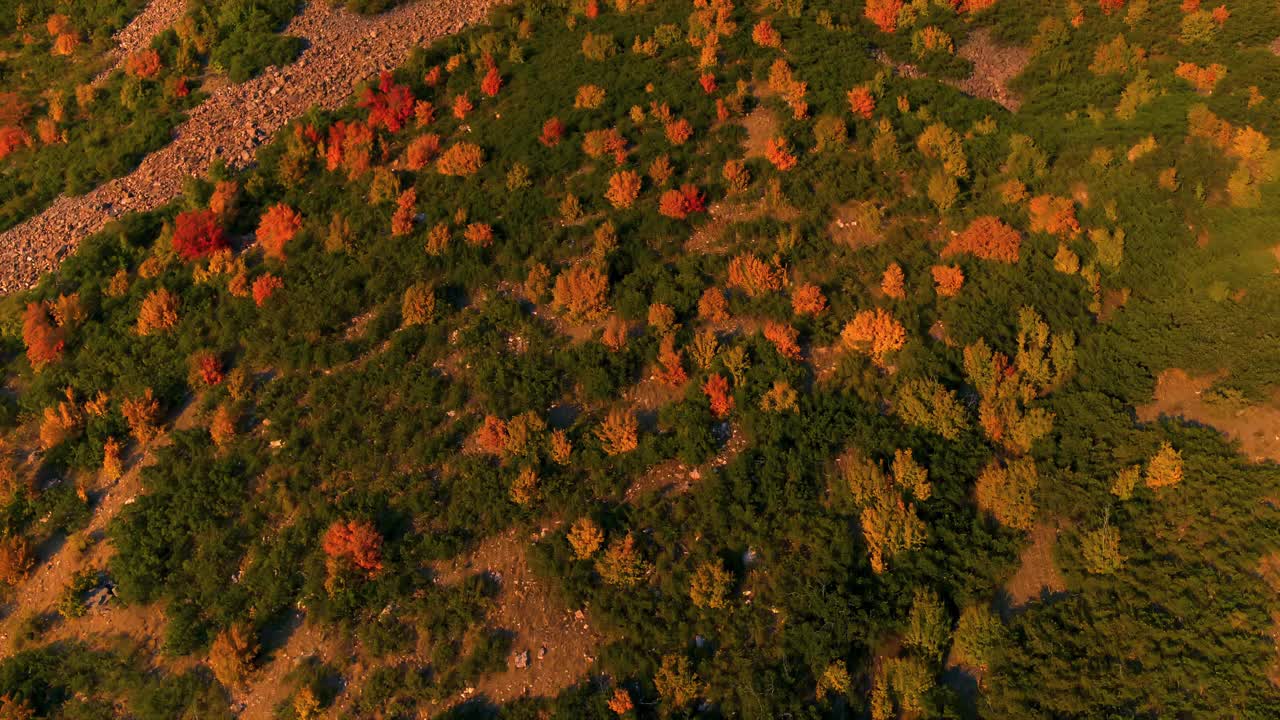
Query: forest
(654, 359)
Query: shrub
(198, 234)
(278, 225)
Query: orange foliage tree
(618, 433)
(947, 279)
(406, 210)
(461, 159)
(861, 102)
(159, 312)
(1054, 215)
(44, 342)
(779, 154)
(552, 132)
(712, 306)
(764, 34)
(624, 188)
(421, 151)
(142, 414)
(716, 389)
(492, 82)
(680, 204)
(478, 234)
(892, 283)
(264, 286)
(671, 370)
(988, 238)
(357, 542)
(493, 436)
(278, 225)
(784, 339)
(875, 333)
(808, 299)
(581, 292)
(678, 132)
(144, 64)
(884, 14)
(390, 105)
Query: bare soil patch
(673, 476)
(762, 125)
(856, 224)
(1255, 427)
(560, 640)
(1037, 577)
(993, 67)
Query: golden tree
(618, 433)
(947, 280)
(1007, 493)
(892, 283)
(44, 342)
(712, 305)
(232, 656)
(624, 188)
(676, 682)
(585, 537)
(159, 312)
(622, 565)
(142, 414)
(671, 370)
(875, 333)
(709, 586)
(1165, 467)
(112, 464)
(461, 159)
(753, 276)
(581, 293)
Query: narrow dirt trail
(343, 49)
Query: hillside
(639, 358)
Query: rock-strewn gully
(343, 49)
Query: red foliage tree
(197, 234)
(356, 541)
(1054, 215)
(716, 389)
(708, 83)
(406, 210)
(680, 204)
(390, 106)
(44, 341)
(1110, 6)
(11, 138)
(987, 238)
(264, 287)
(492, 437)
(552, 132)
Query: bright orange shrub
(716, 388)
(784, 339)
(861, 102)
(264, 286)
(421, 151)
(988, 238)
(624, 188)
(808, 299)
(874, 332)
(947, 279)
(44, 342)
(779, 153)
(278, 225)
(1054, 215)
(356, 541)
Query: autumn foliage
(197, 234)
(671, 370)
(390, 105)
(753, 276)
(884, 14)
(461, 159)
(357, 542)
(44, 342)
(876, 333)
(618, 433)
(278, 225)
(716, 388)
(1054, 215)
(680, 204)
(988, 238)
(552, 132)
(581, 292)
(861, 102)
(808, 299)
(779, 154)
(947, 279)
(624, 188)
(144, 64)
(264, 286)
(159, 312)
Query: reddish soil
(1255, 427)
(762, 125)
(1037, 575)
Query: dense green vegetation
(372, 352)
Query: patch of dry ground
(993, 67)
(560, 640)
(1037, 576)
(1255, 427)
